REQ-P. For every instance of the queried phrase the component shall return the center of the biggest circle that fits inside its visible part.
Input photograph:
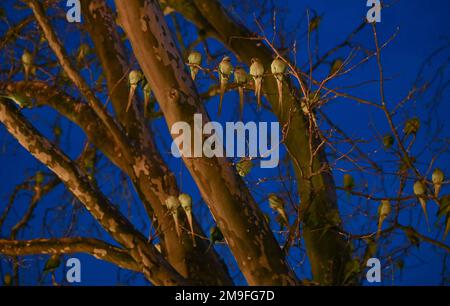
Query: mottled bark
(152, 178)
(152, 263)
(327, 250)
(236, 213)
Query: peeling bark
(236, 213)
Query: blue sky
(421, 27)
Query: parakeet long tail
(223, 84)
(258, 84)
(423, 203)
(437, 190)
(194, 72)
(189, 217)
(280, 95)
(131, 96)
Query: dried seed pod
(412, 126)
(186, 204)
(278, 68)
(134, 78)
(384, 210)
(244, 166)
(225, 71)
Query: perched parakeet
(51, 265)
(173, 204)
(147, 93)
(420, 193)
(437, 178)
(244, 166)
(225, 71)
(240, 78)
(412, 126)
(336, 65)
(257, 72)
(349, 183)
(28, 64)
(215, 235)
(384, 210)
(21, 101)
(278, 68)
(277, 204)
(388, 141)
(186, 204)
(134, 78)
(82, 52)
(194, 60)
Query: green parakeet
(186, 204)
(134, 78)
(278, 68)
(194, 60)
(420, 193)
(314, 23)
(257, 72)
(277, 204)
(215, 235)
(28, 64)
(173, 204)
(388, 141)
(384, 210)
(244, 166)
(438, 178)
(51, 265)
(240, 78)
(225, 71)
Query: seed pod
(438, 178)
(349, 184)
(420, 192)
(244, 166)
(173, 204)
(194, 60)
(186, 204)
(384, 210)
(277, 204)
(134, 78)
(314, 23)
(278, 68)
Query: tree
(89, 85)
